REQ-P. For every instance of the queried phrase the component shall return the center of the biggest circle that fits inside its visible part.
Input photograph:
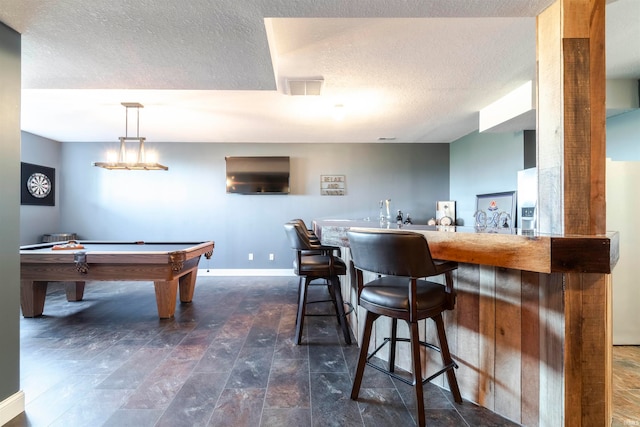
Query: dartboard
(39, 185)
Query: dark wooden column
(571, 159)
(584, 81)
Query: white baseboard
(245, 272)
(11, 407)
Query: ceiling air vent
(304, 87)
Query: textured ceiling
(416, 70)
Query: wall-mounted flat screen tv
(257, 175)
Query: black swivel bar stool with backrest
(312, 235)
(313, 238)
(402, 260)
(312, 262)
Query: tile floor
(228, 359)
(626, 386)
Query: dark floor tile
(188, 350)
(446, 418)
(224, 359)
(134, 371)
(271, 311)
(95, 407)
(372, 378)
(286, 347)
(288, 384)
(251, 369)
(383, 407)
(134, 418)
(161, 385)
(331, 402)
(475, 415)
(200, 336)
(195, 402)
(212, 322)
(144, 330)
(221, 355)
(42, 380)
(293, 417)
(288, 315)
(237, 326)
(248, 306)
(434, 397)
(318, 329)
(114, 357)
(327, 356)
(168, 338)
(59, 398)
(238, 408)
(262, 335)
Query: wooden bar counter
(531, 331)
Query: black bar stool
(313, 239)
(312, 262)
(400, 259)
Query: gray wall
(623, 136)
(484, 163)
(9, 212)
(188, 202)
(38, 220)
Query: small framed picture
(496, 210)
(332, 185)
(446, 212)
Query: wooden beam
(571, 63)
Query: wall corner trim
(11, 407)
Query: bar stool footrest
(387, 340)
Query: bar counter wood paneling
(519, 298)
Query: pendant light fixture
(140, 163)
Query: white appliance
(623, 205)
(527, 199)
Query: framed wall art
(496, 210)
(37, 185)
(332, 185)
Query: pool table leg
(166, 297)
(32, 295)
(74, 291)
(187, 286)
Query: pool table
(169, 265)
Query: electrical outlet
(271, 257)
(250, 256)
